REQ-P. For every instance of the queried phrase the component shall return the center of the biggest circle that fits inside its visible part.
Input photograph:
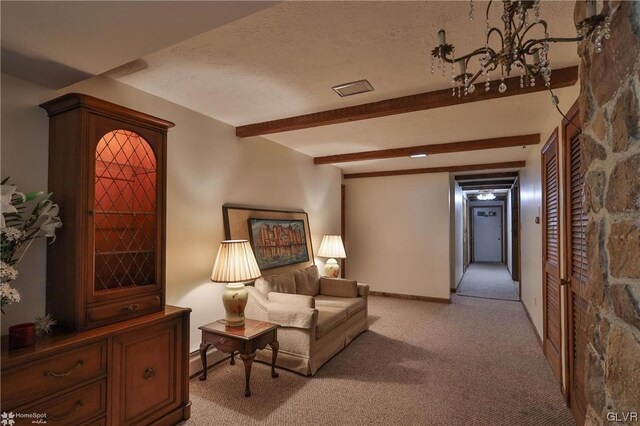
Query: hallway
(474, 361)
(488, 281)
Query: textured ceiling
(284, 60)
(57, 43)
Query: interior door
(515, 231)
(552, 335)
(487, 238)
(575, 266)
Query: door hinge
(564, 282)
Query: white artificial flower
(12, 233)
(8, 293)
(51, 220)
(7, 272)
(6, 193)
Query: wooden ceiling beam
(507, 183)
(499, 175)
(483, 187)
(563, 77)
(441, 148)
(445, 169)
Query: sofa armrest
(260, 308)
(363, 290)
(338, 287)
(293, 300)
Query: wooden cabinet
(146, 379)
(121, 356)
(107, 169)
(132, 372)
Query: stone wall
(609, 111)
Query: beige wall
(397, 233)
(207, 167)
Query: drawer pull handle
(50, 373)
(62, 417)
(222, 340)
(149, 373)
(129, 308)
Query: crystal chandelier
(516, 48)
(486, 196)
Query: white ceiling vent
(353, 88)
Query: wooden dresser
(131, 372)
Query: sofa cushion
(338, 287)
(292, 299)
(328, 319)
(281, 283)
(308, 281)
(350, 304)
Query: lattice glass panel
(125, 212)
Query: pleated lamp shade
(331, 246)
(235, 263)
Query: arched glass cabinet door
(125, 224)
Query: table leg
(233, 359)
(203, 357)
(248, 361)
(274, 355)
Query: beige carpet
(489, 281)
(474, 362)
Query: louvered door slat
(576, 264)
(551, 255)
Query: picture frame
(237, 222)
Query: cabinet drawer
(53, 373)
(72, 408)
(224, 344)
(129, 308)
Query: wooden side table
(244, 340)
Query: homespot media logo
(9, 419)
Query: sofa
(318, 316)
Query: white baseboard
(213, 356)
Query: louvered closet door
(552, 338)
(576, 267)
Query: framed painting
(278, 242)
(281, 239)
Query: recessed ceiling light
(418, 155)
(353, 88)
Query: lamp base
(234, 299)
(331, 268)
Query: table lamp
(332, 248)
(235, 265)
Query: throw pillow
(281, 283)
(308, 281)
(338, 287)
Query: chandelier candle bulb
(591, 8)
(463, 66)
(536, 57)
(442, 37)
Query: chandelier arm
(533, 25)
(499, 33)
(487, 12)
(531, 44)
(482, 50)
